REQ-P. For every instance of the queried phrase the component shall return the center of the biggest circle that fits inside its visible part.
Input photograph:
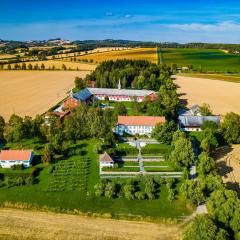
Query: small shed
(105, 160)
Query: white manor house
(142, 125)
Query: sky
(147, 20)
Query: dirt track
(19, 224)
(222, 96)
(33, 92)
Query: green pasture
(202, 59)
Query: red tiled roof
(140, 120)
(15, 155)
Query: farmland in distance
(149, 54)
(202, 59)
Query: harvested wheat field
(33, 92)
(222, 96)
(149, 54)
(96, 50)
(228, 165)
(19, 224)
(58, 65)
(4, 56)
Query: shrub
(170, 182)
(17, 167)
(140, 195)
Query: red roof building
(9, 158)
(142, 125)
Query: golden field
(222, 96)
(28, 225)
(96, 50)
(221, 77)
(5, 56)
(33, 92)
(149, 54)
(58, 65)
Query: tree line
(222, 221)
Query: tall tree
(203, 228)
(164, 132)
(182, 154)
(231, 128)
(205, 110)
(2, 127)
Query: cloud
(226, 26)
(128, 16)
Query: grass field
(204, 59)
(220, 95)
(85, 199)
(221, 77)
(42, 226)
(33, 92)
(149, 54)
(58, 65)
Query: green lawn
(155, 149)
(162, 163)
(128, 105)
(84, 199)
(202, 59)
(121, 169)
(158, 169)
(125, 164)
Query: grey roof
(194, 110)
(88, 92)
(124, 92)
(196, 121)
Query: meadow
(34, 92)
(202, 59)
(72, 187)
(149, 54)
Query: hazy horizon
(159, 21)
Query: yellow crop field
(34, 92)
(58, 65)
(3, 56)
(222, 96)
(43, 226)
(149, 54)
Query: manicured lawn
(158, 169)
(162, 163)
(125, 164)
(123, 169)
(202, 59)
(155, 149)
(84, 199)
